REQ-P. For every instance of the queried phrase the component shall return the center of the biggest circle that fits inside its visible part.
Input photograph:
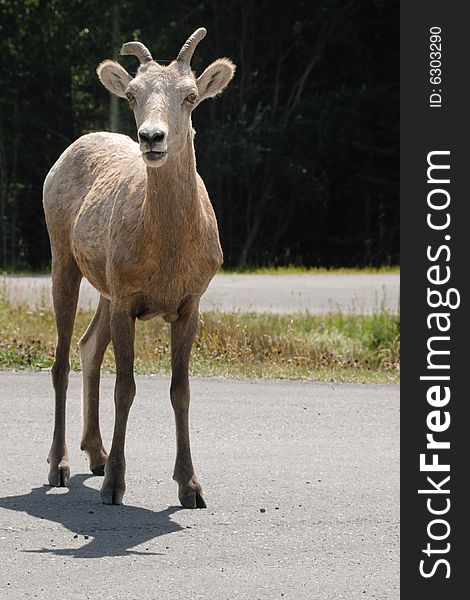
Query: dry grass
(338, 347)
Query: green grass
(300, 270)
(285, 270)
(339, 347)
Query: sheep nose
(154, 136)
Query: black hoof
(189, 501)
(98, 471)
(200, 501)
(193, 501)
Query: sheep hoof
(59, 476)
(200, 501)
(98, 470)
(189, 501)
(113, 487)
(111, 496)
(193, 501)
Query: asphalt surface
(317, 294)
(301, 481)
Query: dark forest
(299, 155)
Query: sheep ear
(114, 77)
(215, 78)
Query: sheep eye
(130, 96)
(191, 98)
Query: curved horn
(189, 46)
(137, 49)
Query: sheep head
(162, 98)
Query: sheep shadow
(111, 530)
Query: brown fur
(144, 233)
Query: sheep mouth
(151, 155)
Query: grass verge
(300, 270)
(339, 347)
(272, 270)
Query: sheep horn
(187, 51)
(137, 49)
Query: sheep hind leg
(66, 279)
(92, 347)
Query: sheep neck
(171, 207)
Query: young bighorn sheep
(136, 221)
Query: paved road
(259, 293)
(320, 459)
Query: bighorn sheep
(137, 222)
